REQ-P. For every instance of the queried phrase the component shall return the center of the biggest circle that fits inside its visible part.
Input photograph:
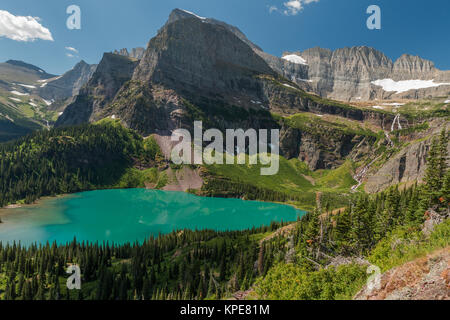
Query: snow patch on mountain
(191, 13)
(390, 85)
(26, 86)
(17, 93)
(48, 102)
(6, 117)
(294, 58)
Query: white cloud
(72, 49)
(293, 7)
(72, 52)
(20, 28)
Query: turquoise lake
(128, 215)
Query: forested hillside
(71, 159)
(324, 255)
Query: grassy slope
(290, 281)
(293, 178)
(313, 123)
(20, 108)
(13, 123)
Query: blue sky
(415, 26)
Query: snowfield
(6, 117)
(295, 59)
(48, 102)
(26, 86)
(17, 93)
(406, 85)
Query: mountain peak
(82, 63)
(414, 67)
(408, 58)
(196, 53)
(178, 14)
(136, 53)
(28, 66)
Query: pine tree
(446, 190)
(432, 177)
(443, 155)
(343, 229)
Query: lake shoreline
(9, 209)
(127, 215)
(19, 205)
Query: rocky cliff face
(295, 72)
(135, 53)
(112, 72)
(413, 67)
(192, 55)
(188, 58)
(69, 84)
(347, 74)
(325, 150)
(408, 165)
(202, 69)
(179, 14)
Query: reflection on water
(130, 215)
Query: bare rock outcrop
(426, 278)
(69, 84)
(407, 166)
(112, 72)
(347, 74)
(136, 53)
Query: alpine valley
(364, 151)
